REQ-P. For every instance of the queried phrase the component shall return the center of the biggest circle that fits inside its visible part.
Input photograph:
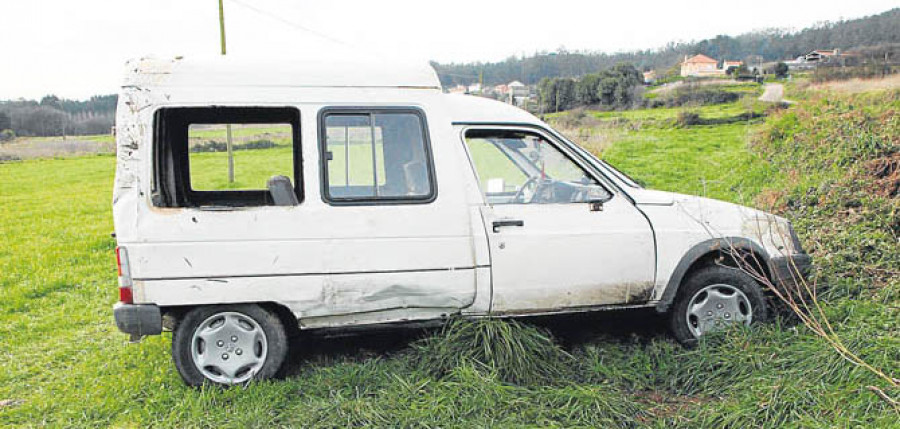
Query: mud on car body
(363, 195)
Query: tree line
(618, 87)
(52, 116)
(758, 46)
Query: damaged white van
(254, 200)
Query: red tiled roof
(700, 58)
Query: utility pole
(228, 146)
(481, 82)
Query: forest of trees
(52, 116)
(768, 45)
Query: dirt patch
(664, 405)
(886, 172)
(772, 200)
(53, 148)
(11, 403)
(860, 85)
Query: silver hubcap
(229, 347)
(717, 306)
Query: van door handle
(507, 222)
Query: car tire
(228, 345)
(714, 297)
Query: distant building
(699, 65)
(518, 93)
(821, 55)
(815, 57)
(458, 89)
(650, 77)
(515, 92)
(728, 66)
(517, 88)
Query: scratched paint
(340, 266)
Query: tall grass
(516, 353)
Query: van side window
(520, 167)
(191, 157)
(375, 156)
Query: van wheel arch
(710, 253)
(173, 315)
(288, 319)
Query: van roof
(236, 71)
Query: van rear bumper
(138, 320)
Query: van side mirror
(282, 192)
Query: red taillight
(125, 294)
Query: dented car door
(559, 238)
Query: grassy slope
(708, 160)
(61, 354)
(701, 160)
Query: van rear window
(373, 156)
(226, 156)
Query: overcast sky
(76, 48)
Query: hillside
(771, 45)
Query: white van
(363, 195)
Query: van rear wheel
(714, 298)
(228, 344)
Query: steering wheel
(533, 182)
(519, 197)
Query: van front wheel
(228, 344)
(714, 298)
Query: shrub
(687, 118)
(257, 144)
(217, 146)
(698, 95)
(7, 135)
(516, 353)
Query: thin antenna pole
(228, 145)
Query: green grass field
(63, 363)
(693, 160)
(252, 168)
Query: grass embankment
(66, 365)
(709, 160)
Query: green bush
(217, 146)
(7, 135)
(687, 118)
(8, 158)
(695, 95)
